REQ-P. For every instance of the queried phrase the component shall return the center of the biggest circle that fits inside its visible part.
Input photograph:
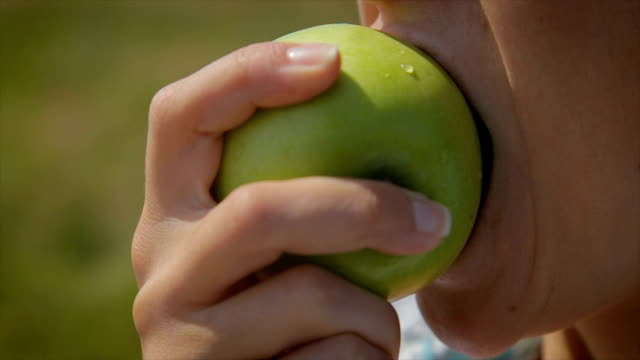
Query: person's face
(556, 84)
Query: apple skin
(393, 114)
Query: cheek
(484, 303)
(574, 74)
(559, 98)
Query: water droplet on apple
(402, 52)
(387, 75)
(407, 68)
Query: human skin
(196, 260)
(555, 247)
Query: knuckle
(367, 206)
(240, 63)
(389, 320)
(313, 275)
(328, 294)
(243, 62)
(389, 317)
(144, 313)
(162, 103)
(355, 347)
(149, 236)
(270, 52)
(320, 287)
(251, 205)
(167, 335)
(256, 60)
(245, 54)
(349, 341)
(139, 251)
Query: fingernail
(312, 54)
(430, 217)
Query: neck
(609, 335)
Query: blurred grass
(76, 78)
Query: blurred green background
(76, 78)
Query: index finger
(187, 118)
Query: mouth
(484, 135)
(374, 16)
(486, 151)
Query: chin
(467, 332)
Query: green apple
(393, 115)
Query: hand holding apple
(393, 115)
(195, 259)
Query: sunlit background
(76, 78)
